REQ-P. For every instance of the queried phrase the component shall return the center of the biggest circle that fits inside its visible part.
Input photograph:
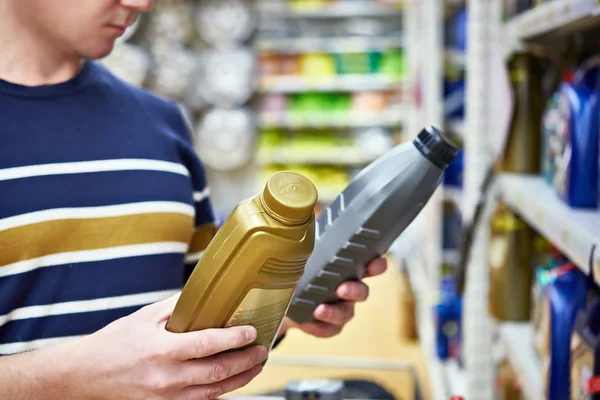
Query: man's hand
(136, 358)
(331, 318)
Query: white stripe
(190, 258)
(20, 347)
(199, 196)
(73, 307)
(96, 212)
(82, 167)
(93, 255)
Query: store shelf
(353, 120)
(329, 45)
(339, 83)
(553, 17)
(334, 156)
(447, 379)
(339, 9)
(518, 340)
(574, 232)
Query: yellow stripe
(202, 237)
(60, 236)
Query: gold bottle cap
(289, 197)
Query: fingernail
(322, 311)
(250, 333)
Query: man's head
(87, 28)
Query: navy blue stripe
(26, 330)
(92, 280)
(204, 212)
(22, 196)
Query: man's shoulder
(152, 103)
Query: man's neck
(26, 56)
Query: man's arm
(36, 375)
(136, 357)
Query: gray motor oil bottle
(369, 215)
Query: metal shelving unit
(383, 119)
(517, 338)
(329, 44)
(316, 50)
(342, 9)
(574, 232)
(339, 83)
(553, 18)
(447, 377)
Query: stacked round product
(176, 67)
(225, 138)
(226, 134)
(229, 76)
(172, 21)
(224, 23)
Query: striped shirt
(104, 206)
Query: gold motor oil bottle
(249, 271)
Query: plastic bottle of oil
(369, 215)
(249, 271)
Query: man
(104, 210)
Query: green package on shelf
(392, 64)
(357, 63)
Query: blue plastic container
(571, 144)
(567, 296)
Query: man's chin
(100, 51)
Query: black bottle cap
(436, 147)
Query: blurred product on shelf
(322, 146)
(454, 95)
(408, 312)
(224, 23)
(327, 108)
(511, 273)
(522, 152)
(452, 228)
(317, 66)
(448, 322)
(225, 138)
(545, 257)
(172, 21)
(454, 173)
(129, 62)
(585, 353)
(508, 386)
(566, 295)
(229, 76)
(571, 124)
(175, 67)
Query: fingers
(336, 314)
(353, 291)
(376, 267)
(216, 390)
(221, 367)
(191, 345)
(321, 329)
